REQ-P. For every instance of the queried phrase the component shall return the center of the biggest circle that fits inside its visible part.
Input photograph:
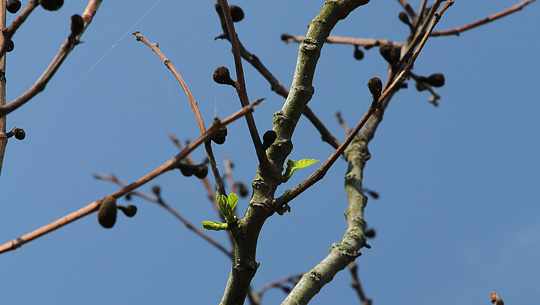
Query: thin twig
(10, 31)
(62, 54)
(459, 30)
(194, 106)
(355, 283)
(163, 204)
(228, 174)
(343, 124)
(435, 96)
(92, 207)
(241, 86)
(293, 279)
(361, 42)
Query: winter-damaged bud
(13, 6)
(358, 54)
(200, 171)
(156, 190)
(390, 53)
(420, 86)
(77, 24)
(237, 13)
(51, 5)
(221, 76)
(404, 18)
(370, 233)
(107, 212)
(220, 136)
(185, 169)
(242, 189)
(129, 211)
(10, 45)
(375, 87)
(268, 139)
(435, 80)
(19, 133)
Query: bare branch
(459, 30)
(361, 42)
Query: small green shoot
(294, 165)
(284, 209)
(214, 225)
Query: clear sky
(459, 186)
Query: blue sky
(458, 212)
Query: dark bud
(237, 13)
(435, 80)
(370, 233)
(19, 133)
(10, 46)
(200, 171)
(77, 24)
(375, 86)
(129, 211)
(222, 76)
(285, 289)
(358, 54)
(268, 139)
(286, 37)
(390, 53)
(51, 5)
(107, 212)
(13, 6)
(404, 18)
(156, 190)
(242, 189)
(185, 169)
(128, 196)
(220, 136)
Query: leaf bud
(200, 171)
(51, 5)
(13, 6)
(268, 139)
(237, 13)
(10, 45)
(221, 76)
(370, 233)
(107, 212)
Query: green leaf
(294, 165)
(214, 225)
(233, 200)
(286, 194)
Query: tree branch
(92, 207)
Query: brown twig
(193, 103)
(459, 30)
(343, 124)
(163, 204)
(361, 42)
(228, 174)
(293, 279)
(355, 283)
(92, 207)
(8, 32)
(321, 171)
(62, 54)
(241, 86)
